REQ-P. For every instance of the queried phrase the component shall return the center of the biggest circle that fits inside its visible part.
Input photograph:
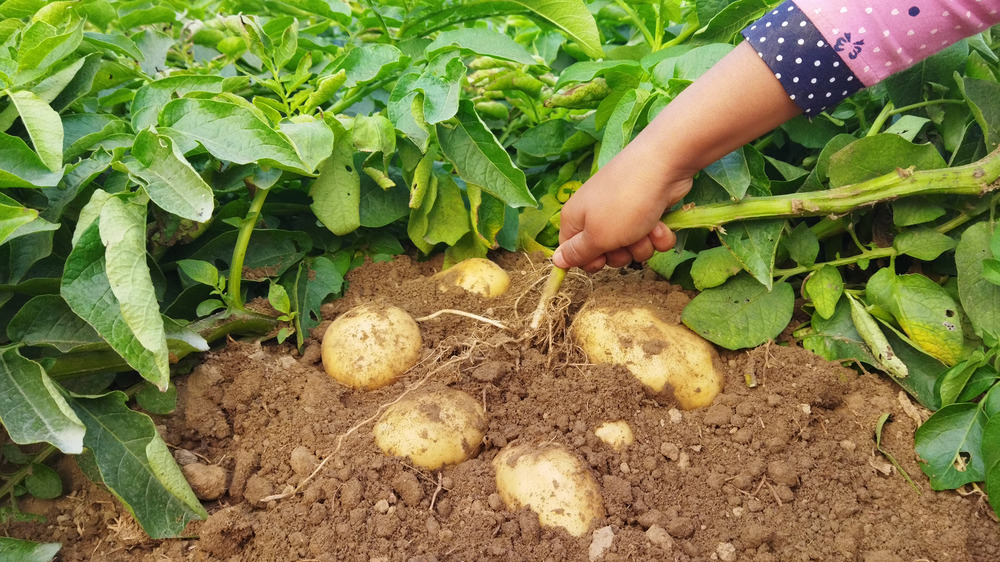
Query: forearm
(735, 102)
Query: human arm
(614, 217)
(804, 56)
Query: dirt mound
(783, 470)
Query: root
(465, 314)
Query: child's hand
(614, 218)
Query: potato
(553, 482)
(616, 434)
(476, 275)
(668, 358)
(432, 427)
(371, 346)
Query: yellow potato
(617, 434)
(668, 358)
(553, 482)
(433, 427)
(476, 275)
(371, 346)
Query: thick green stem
(240, 249)
(883, 116)
(17, 477)
(211, 328)
(977, 178)
(552, 285)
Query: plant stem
(638, 22)
(977, 178)
(240, 249)
(354, 95)
(552, 285)
(18, 476)
(689, 28)
(917, 105)
(883, 116)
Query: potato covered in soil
(371, 346)
(476, 275)
(617, 434)
(667, 358)
(553, 482)
(432, 427)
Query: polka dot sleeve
(825, 50)
(803, 61)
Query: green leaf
(200, 271)
(13, 218)
(150, 98)
(949, 445)
(88, 291)
(983, 97)
(732, 173)
(880, 154)
(365, 64)
(417, 225)
(664, 263)
(732, 19)
(954, 380)
(32, 408)
(618, 129)
(315, 280)
(169, 179)
(979, 297)
(908, 126)
(552, 138)
(910, 211)
(27, 551)
(588, 70)
(114, 42)
(754, 243)
(48, 320)
(43, 482)
(156, 402)
(712, 267)
(991, 461)
(447, 220)
(802, 245)
(991, 271)
(741, 313)
(277, 296)
(34, 60)
(406, 111)
(488, 216)
(336, 191)
(480, 41)
(212, 123)
(21, 167)
(835, 338)
(825, 287)
(311, 137)
(136, 465)
(914, 84)
(43, 126)
(440, 84)
(480, 159)
(573, 17)
(923, 243)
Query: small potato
(432, 427)
(370, 346)
(617, 434)
(476, 275)
(667, 358)
(552, 481)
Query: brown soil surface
(784, 470)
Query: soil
(783, 468)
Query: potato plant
(163, 164)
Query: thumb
(574, 252)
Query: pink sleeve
(879, 38)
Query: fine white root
(462, 313)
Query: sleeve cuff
(807, 67)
